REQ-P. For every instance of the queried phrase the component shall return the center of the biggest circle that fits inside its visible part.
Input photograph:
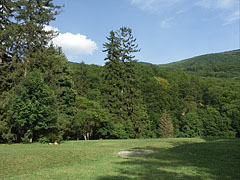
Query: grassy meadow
(172, 159)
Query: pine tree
(9, 68)
(22, 29)
(59, 77)
(166, 129)
(32, 16)
(6, 12)
(112, 86)
(32, 109)
(22, 36)
(120, 91)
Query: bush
(44, 140)
(25, 139)
(228, 134)
(9, 137)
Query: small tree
(91, 120)
(166, 129)
(32, 109)
(191, 125)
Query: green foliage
(58, 74)
(192, 125)
(120, 85)
(45, 98)
(221, 65)
(5, 125)
(232, 111)
(91, 120)
(215, 124)
(27, 138)
(32, 108)
(81, 78)
(30, 17)
(23, 42)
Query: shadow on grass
(213, 159)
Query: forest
(44, 97)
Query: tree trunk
(25, 71)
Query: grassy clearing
(173, 159)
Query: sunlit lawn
(172, 159)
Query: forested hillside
(44, 97)
(197, 106)
(223, 65)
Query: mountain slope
(223, 65)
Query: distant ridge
(207, 59)
(224, 64)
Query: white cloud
(161, 5)
(166, 23)
(145, 5)
(50, 28)
(229, 9)
(232, 18)
(221, 4)
(227, 4)
(226, 10)
(154, 6)
(73, 45)
(181, 11)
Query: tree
(191, 125)
(32, 109)
(22, 39)
(165, 128)
(6, 25)
(120, 91)
(9, 65)
(6, 135)
(81, 79)
(215, 124)
(91, 120)
(59, 77)
(22, 30)
(32, 16)
(232, 111)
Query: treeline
(196, 106)
(44, 98)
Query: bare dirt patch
(134, 152)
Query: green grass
(173, 159)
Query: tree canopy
(44, 97)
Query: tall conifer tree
(120, 94)
(32, 16)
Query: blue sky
(166, 30)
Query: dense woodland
(44, 97)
